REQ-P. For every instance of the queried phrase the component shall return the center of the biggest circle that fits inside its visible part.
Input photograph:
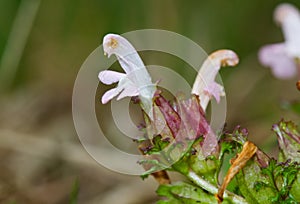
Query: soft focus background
(42, 46)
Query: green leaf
(159, 144)
(193, 159)
(272, 184)
(295, 190)
(226, 147)
(182, 166)
(205, 167)
(248, 179)
(184, 193)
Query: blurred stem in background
(16, 42)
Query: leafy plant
(179, 138)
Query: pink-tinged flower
(283, 57)
(135, 81)
(205, 86)
(186, 118)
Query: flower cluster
(186, 118)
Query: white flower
(205, 86)
(135, 81)
(288, 17)
(281, 57)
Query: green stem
(214, 190)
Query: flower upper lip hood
(124, 51)
(205, 86)
(288, 17)
(282, 57)
(136, 81)
(283, 11)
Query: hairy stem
(214, 190)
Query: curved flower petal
(125, 88)
(288, 17)
(125, 52)
(110, 94)
(128, 88)
(205, 79)
(109, 77)
(275, 56)
(214, 90)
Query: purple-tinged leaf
(288, 140)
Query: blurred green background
(44, 43)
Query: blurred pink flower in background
(284, 58)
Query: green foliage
(239, 135)
(272, 184)
(281, 177)
(182, 166)
(261, 181)
(205, 167)
(184, 193)
(168, 152)
(195, 161)
(159, 145)
(295, 190)
(248, 179)
(226, 147)
(288, 140)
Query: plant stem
(214, 190)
